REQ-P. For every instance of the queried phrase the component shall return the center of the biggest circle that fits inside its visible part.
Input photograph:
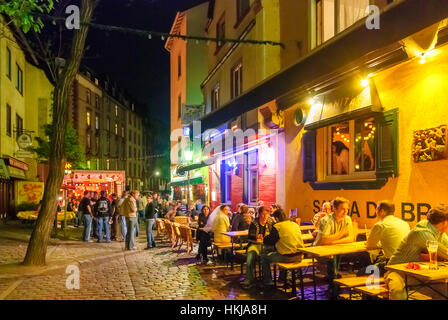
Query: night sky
(141, 66)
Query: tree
(73, 151)
(23, 14)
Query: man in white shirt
(387, 234)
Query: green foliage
(22, 12)
(73, 151)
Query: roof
(175, 29)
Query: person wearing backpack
(103, 212)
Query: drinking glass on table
(432, 247)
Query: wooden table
(233, 235)
(307, 228)
(424, 276)
(330, 251)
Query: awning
(182, 169)
(345, 48)
(4, 173)
(343, 103)
(181, 183)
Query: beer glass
(432, 247)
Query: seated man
(287, 239)
(335, 228)
(259, 228)
(386, 234)
(434, 228)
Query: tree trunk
(37, 248)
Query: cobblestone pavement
(108, 272)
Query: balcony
(191, 113)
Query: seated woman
(221, 225)
(259, 228)
(202, 236)
(242, 220)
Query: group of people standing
(119, 218)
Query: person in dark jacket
(115, 217)
(202, 236)
(258, 229)
(242, 220)
(150, 215)
(103, 211)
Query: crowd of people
(272, 236)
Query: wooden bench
(381, 293)
(294, 267)
(353, 282)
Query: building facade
(188, 69)
(25, 101)
(366, 124)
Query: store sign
(17, 164)
(29, 191)
(409, 211)
(16, 173)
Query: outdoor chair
(294, 267)
(181, 220)
(185, 237)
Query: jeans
(267, 259)
(131, 225)
(252, 253)
(78, 219)
(87, 227)
(123, 227)
(95, 227)
(150, 236)
(140, 215)
(103, 221)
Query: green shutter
(387, 144)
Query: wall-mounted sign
(29, 191)
(24, 141)
(17, 164)
(430, 144)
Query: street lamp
(157, 173)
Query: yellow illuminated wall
(420, 92)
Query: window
(250, 178)
(334, 16)
(19, 125)
(19, 83)
(88, 164)
(88, 119)
(88, 141)
(220, 33)
(237, 80)
(116, 129)
(179, 107)
(97, 122)
(88, 96)
(130, 152)
(8, 63)
(8, 120)
(116, 110)
(108, 125)
(228, 187)
(122, 132)
(97, 101)
(107, 164)
(242, 8)
(179, 149)
(179, 66)
(215, 97)
(97, 144)
(352, 154)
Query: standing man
(141, 203)
(129, 208)
(150, 220)
(122, 216)
(386, 234)
(93, 201)
(103, 211)
(157, 205)
(115, 216)
(86, 213)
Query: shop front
(377, 136)
(78, 181)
